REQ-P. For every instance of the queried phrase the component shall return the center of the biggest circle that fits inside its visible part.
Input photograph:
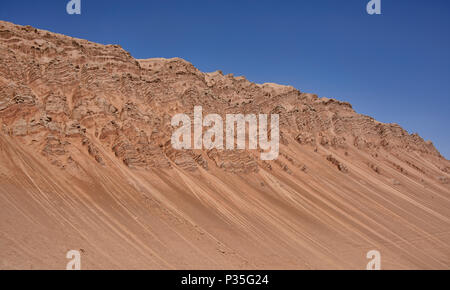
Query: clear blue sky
(394, 67)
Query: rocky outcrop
(337, 163)
(54, 85)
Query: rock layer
(87, 162)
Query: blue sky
(394, 67)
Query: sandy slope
(173, 219)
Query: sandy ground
(169, 219)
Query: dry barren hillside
(86, 164)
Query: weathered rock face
(70, 88)
(86, 161)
